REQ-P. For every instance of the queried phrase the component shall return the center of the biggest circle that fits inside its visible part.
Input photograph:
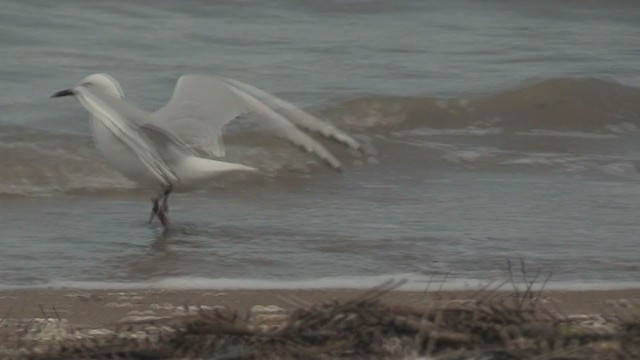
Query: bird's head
(103, 82)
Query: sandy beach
(106, 307)
(317, 323)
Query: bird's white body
(119, 156)
(193, 172)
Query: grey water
(497, 130)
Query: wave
(555, 104)
(587, 126)
(37, 162)
(578, 124)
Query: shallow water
(497, 130)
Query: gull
(170, 150)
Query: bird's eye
(85, 84)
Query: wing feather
(286, 129)
(297, 115)
(201, 106)
(198, 111)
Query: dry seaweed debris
(493, 325)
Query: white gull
(169, 150)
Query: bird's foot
(160, 209)
(164, 219)
(154, 209)
(165, 198)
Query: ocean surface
(495, 131)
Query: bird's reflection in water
(185, 236)
(160, 240)
(200, 250)
(180, 250)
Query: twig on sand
(561, 353)
(482, 289)
(6, 315)
(294, 301)
(56, 312)
(442, 284)
(528, 293)
(44, 314)
(426, 289)
(544, 284)
(516, 290)
(431, 345)
(378, 291)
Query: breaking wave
(564, 123)
(564, 104)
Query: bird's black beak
(66, 92)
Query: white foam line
(467, 131)
(414, 282)
(573, 134)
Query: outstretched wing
(297, 115)
(133, 127)
(198, 110)
(202, 105)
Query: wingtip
(335, 165)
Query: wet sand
(105, 307)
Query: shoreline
(411, 282)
